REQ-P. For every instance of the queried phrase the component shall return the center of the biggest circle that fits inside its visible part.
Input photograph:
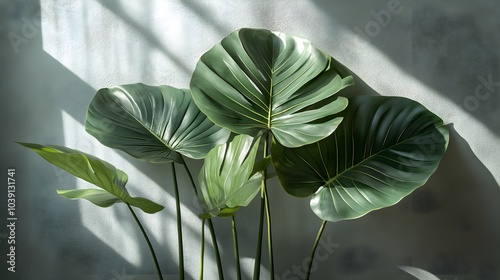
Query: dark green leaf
(261, 165)
(256, 80)
(385, 148)
(152, 123)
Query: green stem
(216, 249)
(256, 268)
(202, 248)
(269, 235)
(190, 176)
(179, 223)
(313, 251)
(210, 225)
(264, 208)
(147, 240)
(236, 250)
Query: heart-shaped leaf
(152, 123)
(228, 178)
(95, 171)
(385, 148)
(256, 80)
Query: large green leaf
(152, 123)
(95, 171)
(256, 80)
(228, 178)
(385, 148)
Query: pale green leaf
(229, 178)
(100, 198)
(95, 171)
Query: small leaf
(94, 171)
(144, 204)
(98, 197)
(261, 165)
(227, 178)
(84, 166)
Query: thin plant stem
(190, 176)
(202, 248)
(210, 225)
(179, 223)
(256, 268)
(216, 249)
(313, 251)
(236, 250)
(264, 209)
(269, 235)
(147, 240)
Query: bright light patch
(114, 225)
(108, 224)
(109, 41)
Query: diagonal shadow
(116, 7)
(448, 227)
(353, 259)
(32, 92)
(452, 49)
(53, 244)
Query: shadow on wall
(116, 7)
(447, 227)
(53, 242)
(456, 55)
(60, 245)
(451, 48)
(457, 217)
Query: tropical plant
(268, 91)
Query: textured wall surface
(55, 54)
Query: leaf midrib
(271, 87)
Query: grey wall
(55, 54)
